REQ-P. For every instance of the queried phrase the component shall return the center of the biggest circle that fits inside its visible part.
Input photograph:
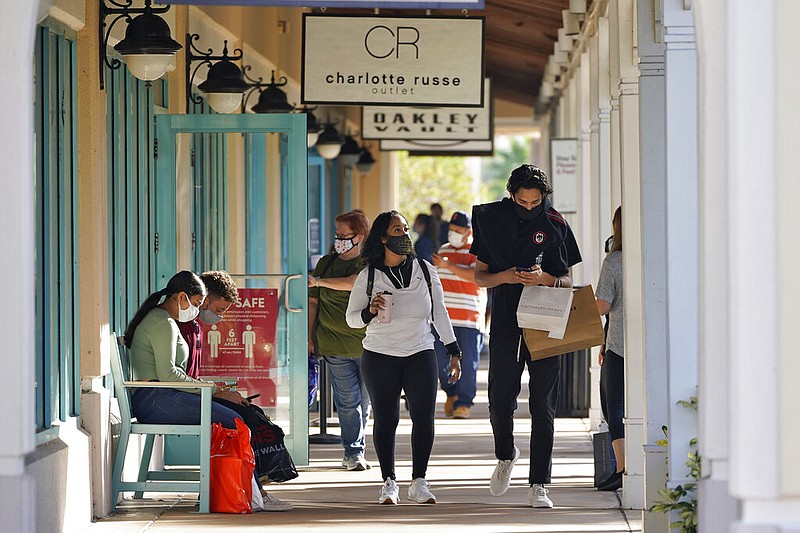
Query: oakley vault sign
(398, 61)
(429, 123)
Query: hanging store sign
(397, 61)
(564, 174)
(402, 4)
(429, 123)
(440, 148)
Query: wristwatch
(457, 355)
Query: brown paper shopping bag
(584, 329)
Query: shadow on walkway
(328, 498)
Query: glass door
(252, 222)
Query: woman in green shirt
(159, 353)
(331, 337)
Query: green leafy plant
(683, 498)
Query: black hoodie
(503, 240)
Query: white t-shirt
(409, 332)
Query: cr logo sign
(381, 41)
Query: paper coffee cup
(385, 314)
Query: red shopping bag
(232, 465)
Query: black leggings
(612, 393)
(386, 376)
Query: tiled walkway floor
(327, 498)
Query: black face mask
(400, 244)
(528, 215)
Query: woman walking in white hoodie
(396, 297)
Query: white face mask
(188, 314)
(456, 239)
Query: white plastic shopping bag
(546, 309)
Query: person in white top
(398, 347)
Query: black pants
(386, 376)
(508, 356)
(612, 393)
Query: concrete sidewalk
(327, 498)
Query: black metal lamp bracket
(120, 10)
(195, 55)
(259, 83)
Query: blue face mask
(206, 316)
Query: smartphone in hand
(524, 269)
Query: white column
(625, 82)
(652, 213)
(682, 231)
(606, 204)
(602, 207)
(595, 413)
(17, 321)
(716, 507)
(764, 335)
(584, 231)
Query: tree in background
(509, 153)
(425, 180)
(447, 180)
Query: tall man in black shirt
(521, 241)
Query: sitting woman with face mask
(159, 352)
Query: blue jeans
(351, 400)
(172, 406)
(470, 340)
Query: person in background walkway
(437, 215)
(398, 351)
(330, 336)
(428, 239)
(612, 365)
(222, 294)
(521, 241)
(466, 305)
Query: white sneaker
(273, 504)
(537, 497)
(419, 491)
(356, 462)
(389, 492)
(501, 478)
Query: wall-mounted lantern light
(365, 161)
(148, 48)
(224, 84)
(350, 151)
(313, 127)
(330, 142)
(271, 99)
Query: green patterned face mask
(400, 244)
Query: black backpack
(422, 265)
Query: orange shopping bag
(232, 465)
